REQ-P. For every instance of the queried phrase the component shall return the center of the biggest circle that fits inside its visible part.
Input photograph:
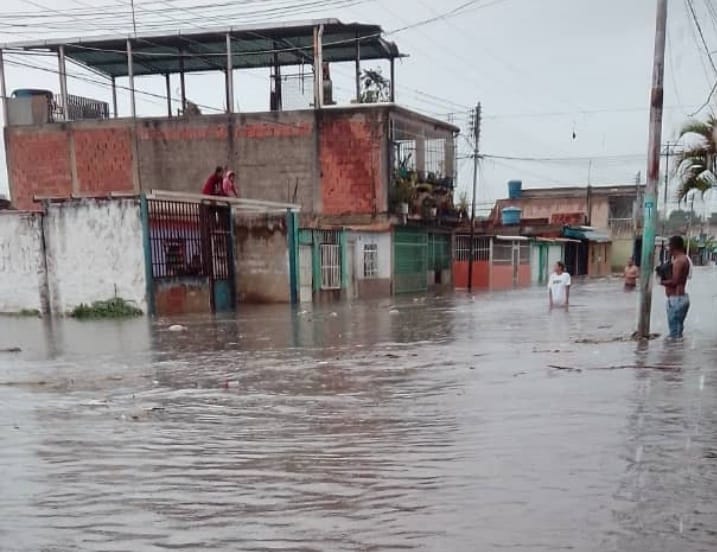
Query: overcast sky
(542, 69)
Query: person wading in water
(632, 272)
(559, 287)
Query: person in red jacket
(213, 185)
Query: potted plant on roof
(429, 207)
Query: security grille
(481, 248)
(370, 260)
(330, 266)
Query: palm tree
(697, 164)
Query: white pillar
(3, 90)
(230, 76)
(318, 67)
(63, 83)
(114, 96)
(130, 74)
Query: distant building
(597, 214)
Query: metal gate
(439, 256)
(216, 221)
(191, 244)
(410, 251)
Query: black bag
(664, 271)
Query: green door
(410, 254)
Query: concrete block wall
(83, 251)
(21, 262)
(94, 252)
(262, 260)
(273, 154)
(331, 161)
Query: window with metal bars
(330, 266)
(481, 248)
(503, 252)
(370, 260)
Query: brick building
(343, 164)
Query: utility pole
(653, 174)
(134, 21)
(476, 137)
(663, 225)
(689, 223)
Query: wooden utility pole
(476, 137)
(653, 174)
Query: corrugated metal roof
(205, 50)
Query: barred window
(330, 266)
(370, 260)
(481, 248)
(503, 252)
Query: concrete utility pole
(663, 224)
(476, 137)
(653, 174)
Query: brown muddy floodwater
(450, 425)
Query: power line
(616, 157)
(691, 8)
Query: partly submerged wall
(21, 262)
(262, 259)
(78, 252)
(94, 252)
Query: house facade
(372, 182)
(604, 219)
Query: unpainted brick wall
(103, 158)
(351, 152)
(38, 164)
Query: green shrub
(112, 308)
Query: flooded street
(439, 423)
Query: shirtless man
(630, 275)
(678, 302)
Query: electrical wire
(695, 19)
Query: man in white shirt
(559, 286)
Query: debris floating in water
(11, 350)
(565, 368)
(394, 312)
(177, 328)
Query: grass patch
(23, 313)
(111, 308)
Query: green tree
(697, 164)
(374, 86)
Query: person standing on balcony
(632, 272)
(559, 287)
(229, 187)
(214, 184)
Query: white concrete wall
(21, 262)
(383, 240)
(95, 252)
